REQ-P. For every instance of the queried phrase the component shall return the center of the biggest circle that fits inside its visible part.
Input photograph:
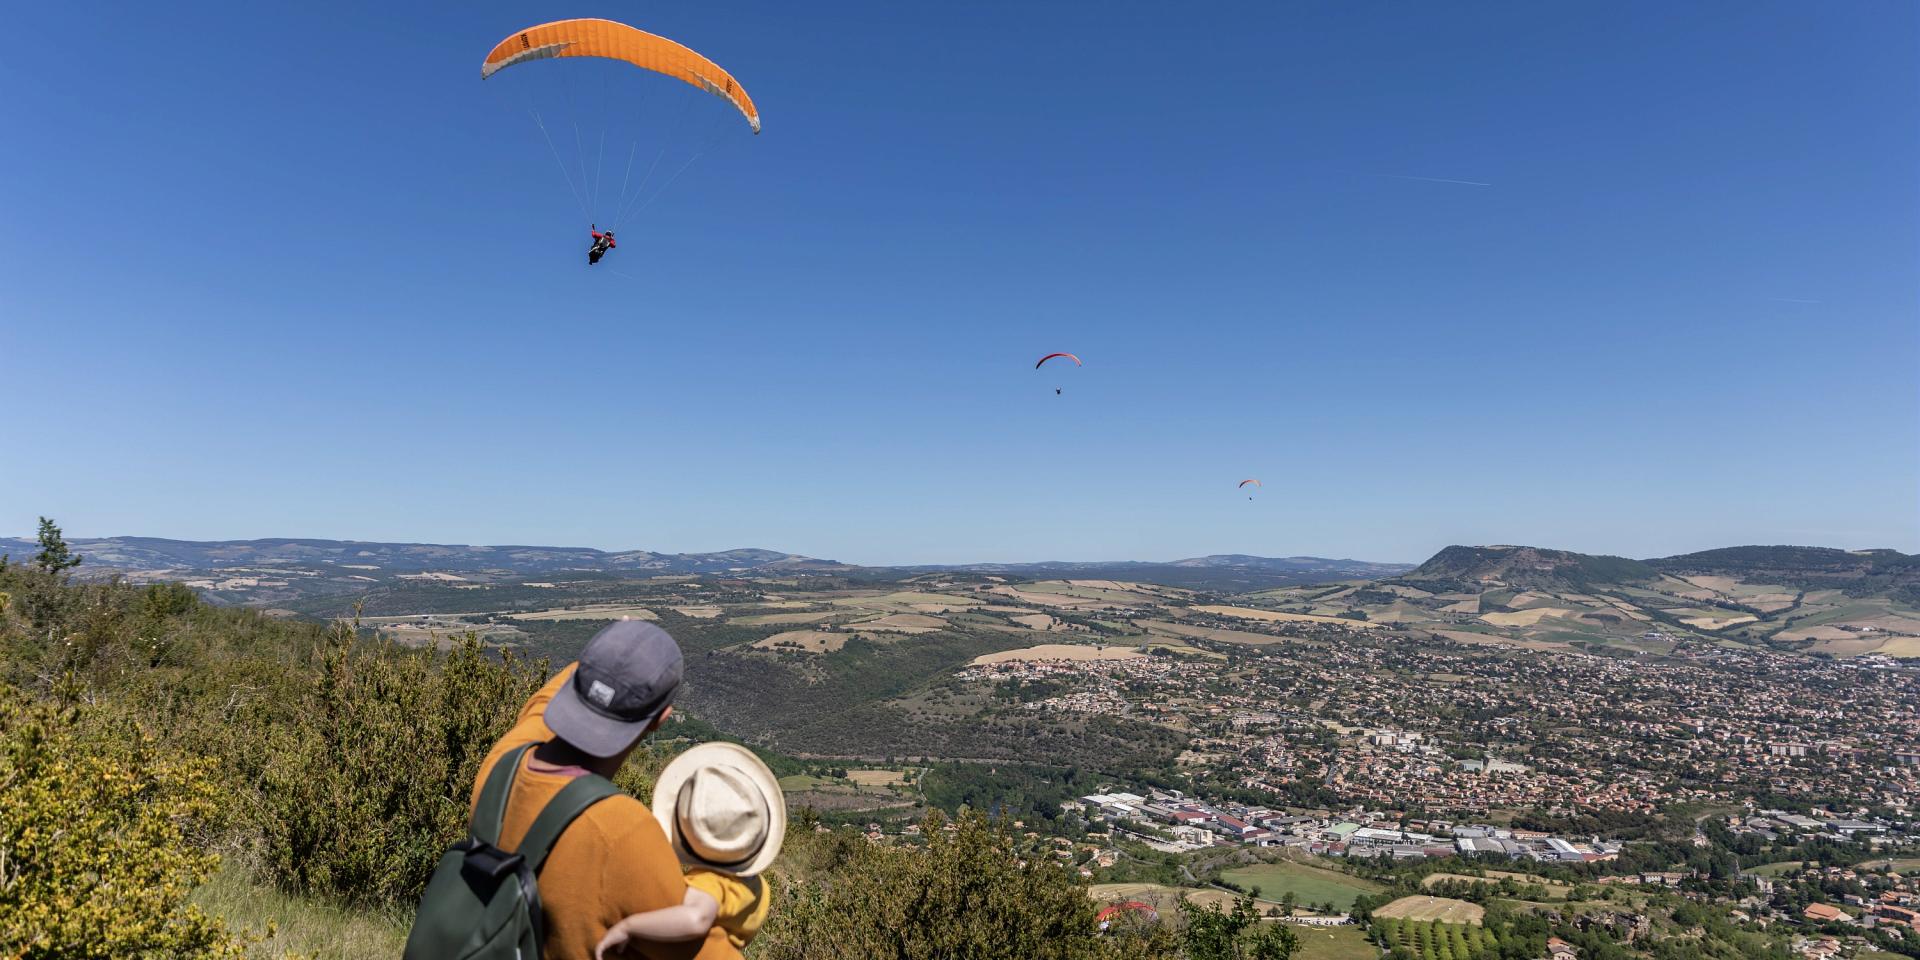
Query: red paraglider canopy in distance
(1131, 906)
(1252, 481)
(1050, 356)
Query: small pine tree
(54, 557)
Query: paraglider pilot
(602, 242)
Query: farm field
(1898, 865)
(876, 778)
(1275, 616)
(1432, 908)
(778, 619)
(804, 641)
(797, 782)
(599, 611)
(1309, 885)
(1162, 897)
(1334, 943)
(1060, 651)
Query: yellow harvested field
(1057, 651)
(1853, 646)
(805, 641)
(442, 577)
(1892, 624)
(1525, 618)
(1161, 897)
(1903, 647)
(597, 611)
(920, 602)
(1442, 909)
(1049, 599)
(876, 778)
(1464, 606)
(1085, 590)
(903, 623)
(1815, 633)
(1035, 621)
(1106, 584)
(702, 613)
(1275, 616)
(776, 619)
(1718, 623)
(1716, 584)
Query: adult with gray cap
(614, 859)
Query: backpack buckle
(482, 859)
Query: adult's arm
(638, 872)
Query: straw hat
(722, 809)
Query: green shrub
(96, 824)
(965, 894)
(366, 782)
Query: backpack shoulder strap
(572, 800)
(491, 810)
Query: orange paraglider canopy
(617, 41)
(1050, 356)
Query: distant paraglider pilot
(602, 242)
(1050, 356)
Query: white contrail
(1470, 183)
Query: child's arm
(689, 921)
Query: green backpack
(482, 902)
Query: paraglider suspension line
(663, 187)
(562, 164)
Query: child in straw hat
(725, 816)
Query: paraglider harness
(602, 242)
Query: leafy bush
(966, 894)
(96, 851)
(366, 782)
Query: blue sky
(295, 270)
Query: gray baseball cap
(627, 676)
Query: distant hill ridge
(161, 554)
(1531, 567)
(157, 553)
(1542, 568)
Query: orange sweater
(612, 861)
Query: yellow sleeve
(743, 904)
